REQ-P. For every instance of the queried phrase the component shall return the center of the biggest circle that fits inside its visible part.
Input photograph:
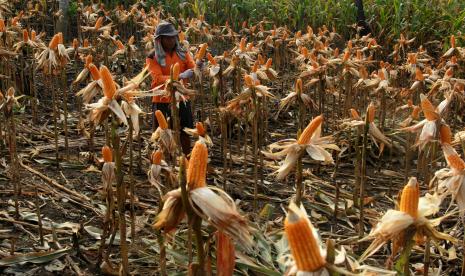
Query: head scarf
(160, 54)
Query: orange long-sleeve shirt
(161, 74)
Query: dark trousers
(185, 117)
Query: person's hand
(199, 64)
(189, 73)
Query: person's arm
(155, 71)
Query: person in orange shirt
(167, 52)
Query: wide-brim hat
(165, 29)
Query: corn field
(316, 149)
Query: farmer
(168, 52)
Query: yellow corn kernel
(410, 197)
(197, 168)
(109, 87)
(98, 23)
(371, 111)
(445, 134)
(94, 72)
(157, 156)
(309, 130)
(176, 72)
(25, 35)
(107, 154)
(303, 245)
(200, 129)
(161, 120)
(428, 108)
(54, 42)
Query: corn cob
(202, 51)
(449, 72)
(303, 245)
(242, 44)
(211, 59)
(161, 120)
(197, 169)
(452, 41)
(225, 254)
(455, 162)
(109, 87)
(131, 40)
(175, 71)
(2, 25)
(157, 156)
(298, 86)
(120, 45)
(75, 43)
(260, 59)
(25, 35)
(354, 114)
(346, 56)
(428, 108)
(268, 63)
(54, 42)
(410, 197)
(416, 112)
(200, 129)
(98, 23)
(309, 130)
(371, 111)
(33, 35)
(94, 72)
(248, 80)
(86, 43)
(60, 36)
(89, 60)
(445, 134)
(107, 154)
(419, 75)
(255, 67)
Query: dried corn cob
(303, 245)
(157, 156)
(410, 197)
(109, 87)
(197, 169)
(161, 120)
(107, 154)
(309, 130)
